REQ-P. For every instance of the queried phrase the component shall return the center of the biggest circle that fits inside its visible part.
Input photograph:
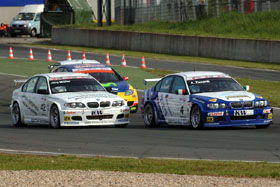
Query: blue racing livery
(203, 99)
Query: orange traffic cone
(69, 55)
(143, 64)
(84, 56)
(123, 64)
(30, 55)
(49, 59)
(11, 55)
(108, 60)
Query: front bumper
(96, 117)
(226, 118)
(20, 30)
(132, 100)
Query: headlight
(217, 105)
(75, 105)
(260, 104)
(25, 25)
(129, 92)
(118, 103)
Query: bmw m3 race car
(106, 75)
(203, 99)
(67, 99)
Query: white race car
(67, 99)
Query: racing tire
(121, 126)
(196, 118)
(54, 117)
(149, 116)
(16, 116)
(33, 33)
(262, 126)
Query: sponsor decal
(96, 112)
(213, 100)
(122, 120)
(126, 110)
(126, 115)
(67, 118)
(265, 111)
(43, 107)
(109, 84)
(243, 112)
(215, 113)
(133, 108)
(69, 112)
(235, 96)
(95, 95)
(72, 123)
(210, 119)
(270, 116)
(195, 99)
(29, 108)
(260, 97)
(226, 112)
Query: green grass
(182, 167)
(184, 59)
(260, 25)
(268, 89)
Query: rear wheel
(16, 116)
(149, 116)
(54, 117)
(196, 118)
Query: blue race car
(106, 75)
(203, 99)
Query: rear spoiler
(151, 80)
(19, 81)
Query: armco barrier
(225, 48)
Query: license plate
(243, 112)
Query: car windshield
(213, 85)
(75, 85)
(24, 16)
(104, 77)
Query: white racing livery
(67, 99)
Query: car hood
(86, 96)
(227, 95)
(121, 86)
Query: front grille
(101, 117)
(248, 104)
(120, 116)
(236, 105)
(93, 104)
(220, 118)
(130, 103)
(243, 117)
(105, 104)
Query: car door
(180, 101)
(41, 99)
(30, 108)
(165, 98)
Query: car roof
(64, 74)
(191, 75)
(71, 62)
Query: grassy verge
(260, 25)
(182, 167)
(185, 59)
(267, 89)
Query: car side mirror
(246, 87)
(109, 89)
(125, 78)
(181, 92)
(43, 91)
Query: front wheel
(149, 116)
(33, 33)
(196, 118)
(16, 116)
(54, 117)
